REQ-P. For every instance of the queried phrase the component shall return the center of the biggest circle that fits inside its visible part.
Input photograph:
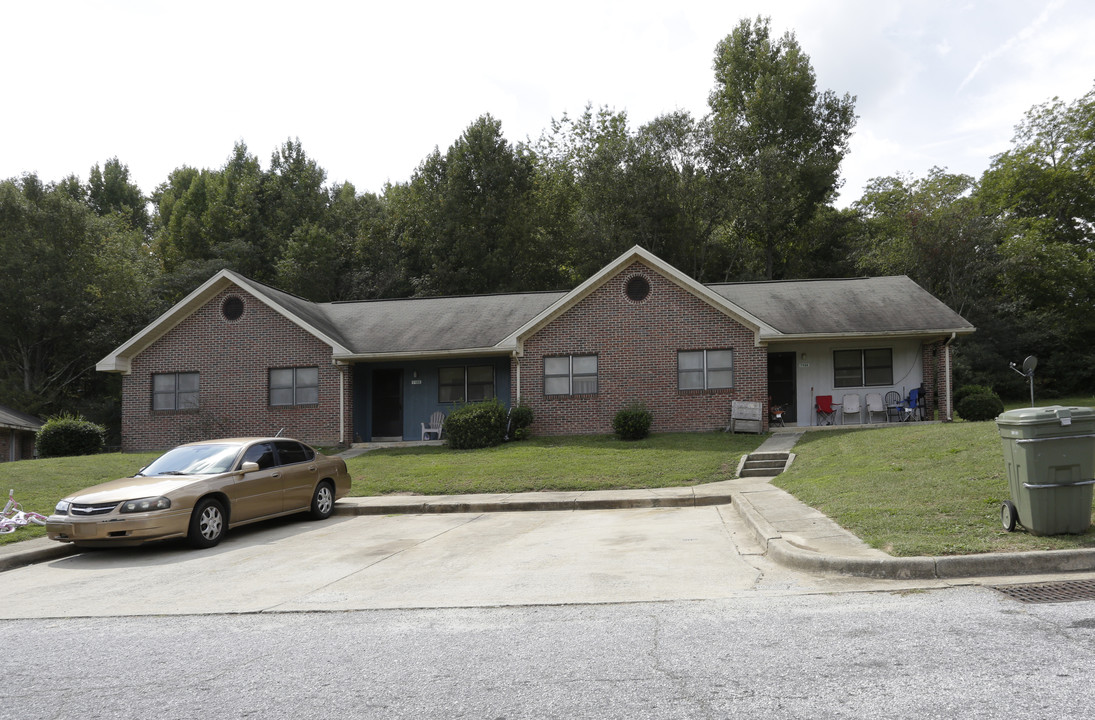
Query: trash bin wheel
(1008, 515)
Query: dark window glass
(291, 452)
(175, 391)
(261, 453)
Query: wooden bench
(745, 416)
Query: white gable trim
(636, 253)
(120, 359)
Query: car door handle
(275, 475)
(311, 468)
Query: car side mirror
(249, 467)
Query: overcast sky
(371, 88)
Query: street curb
(427, 506)
(29, 552)
(910, 568)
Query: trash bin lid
(1055, 416)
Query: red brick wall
(935, 370)
(636, 344)
(233, 359)
(25, 443)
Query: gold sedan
(201, 490)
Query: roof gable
(620, 264)
(302, 313)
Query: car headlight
(145, 505)
(62, 508)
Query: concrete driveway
(406, 561)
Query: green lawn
(917, 489)
(597, 462)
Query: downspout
(517, 358)
(341, 404)
(947, 375)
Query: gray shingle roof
(19, 421)
(434, 324)
(848, 306)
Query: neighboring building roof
(486, 324)
(15, 420)
(852, 306)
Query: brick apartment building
(236, 357)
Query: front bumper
(117, 529)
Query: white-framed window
(175, 391)
(294, 386)
(570, 375)
(470, 383)
(862, 368)
(705, 369)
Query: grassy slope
(915, 490)
(563, 463)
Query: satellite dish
(1029, 364)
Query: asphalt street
(963, 652)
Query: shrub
(632, 422)
(477, 425)
(966, 390)
(520, 419)
(65, 435)
(979, 407)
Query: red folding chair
(826, 414)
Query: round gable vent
(637, 288)
(232, 309)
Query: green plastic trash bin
(1050, 457)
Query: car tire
(208, 523)
(323, 501)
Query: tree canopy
(743, 193)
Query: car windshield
(194, 460)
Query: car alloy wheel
(323, 501)
(207, 524)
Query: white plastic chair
(850, 406)
(437, 421)
(875, 405)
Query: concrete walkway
(790, 532)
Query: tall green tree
(110, 190)
(78, 285)
(1042, 192)
(777, 143)
(934, 230)
(466, 221)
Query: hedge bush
(66, 435)
(476, 425)
(520, 419)
(632, 422)
(980, 407)
(966, 390)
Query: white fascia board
(901, 334)
(496, 350)
(119, 359)
(655, 263)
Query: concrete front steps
(764, 464)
